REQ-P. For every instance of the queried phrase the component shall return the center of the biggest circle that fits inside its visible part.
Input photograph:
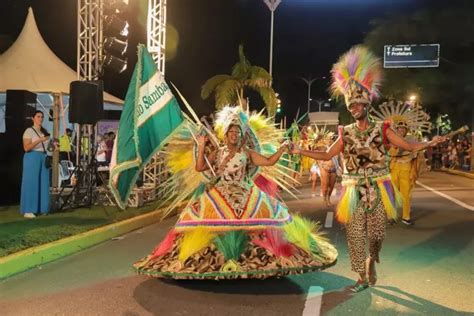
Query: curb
(35, 256)
(458, 173)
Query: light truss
(89, 39)
(156, 32)
(89, 64)
(154, 173)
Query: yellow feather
(343, 211)
(258, 122)
(179, 160)
(193, 241)
(299, 232)
(348, 202)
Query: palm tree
(229, 89)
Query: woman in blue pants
(35, 179)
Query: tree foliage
(448, 88)
(230, 89)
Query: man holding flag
(150, 115)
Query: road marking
(312, 305)
(460, 203)
(329, 219)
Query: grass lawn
(18, 233)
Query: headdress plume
(357, 76)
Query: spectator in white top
(34, 191)
(101, 155)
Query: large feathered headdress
(320, 136)
(357, 76)
(229, 116)
(403, 114)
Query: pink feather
(266, 185)
(273, 241)
(360, 65)
(165, 245)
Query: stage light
(114, 63)
(114, 45)
(114, 25)
(115, 6)
(115, 30)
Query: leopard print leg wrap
(376, 222)
(356, 239)
(363, 226)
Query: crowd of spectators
(454, 154)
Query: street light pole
(272, 5)
(309, 82)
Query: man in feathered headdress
(369, 196)
(409, 120)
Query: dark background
(309, 36)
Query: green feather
(302, 233)
(232, 244)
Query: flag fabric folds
(149, 117)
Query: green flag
(150, 115)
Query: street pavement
(426, 269)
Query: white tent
(29, 64)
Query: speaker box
(20, 107)
(86, 102)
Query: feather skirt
(202, 253)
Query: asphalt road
(425, 269)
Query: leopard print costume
(363, 226)
(365, 155)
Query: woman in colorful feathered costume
(369, 196)
(234, 225)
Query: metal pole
(309, 82)
(55, 165)
(272, 6)
(271, 43)
(309, 94)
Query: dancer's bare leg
(332, 183)
(314, 179)
(325, 185)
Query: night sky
(309, 37)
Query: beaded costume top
(365, 153)
(233, 183)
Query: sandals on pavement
(360, 286)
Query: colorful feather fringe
(358, 65)
(194, 241)
(317, 240)
(266, 185)
(232, 244)
(349, 200)
(390, 196)
(273, 240)
(299, 232)
(166, 245)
